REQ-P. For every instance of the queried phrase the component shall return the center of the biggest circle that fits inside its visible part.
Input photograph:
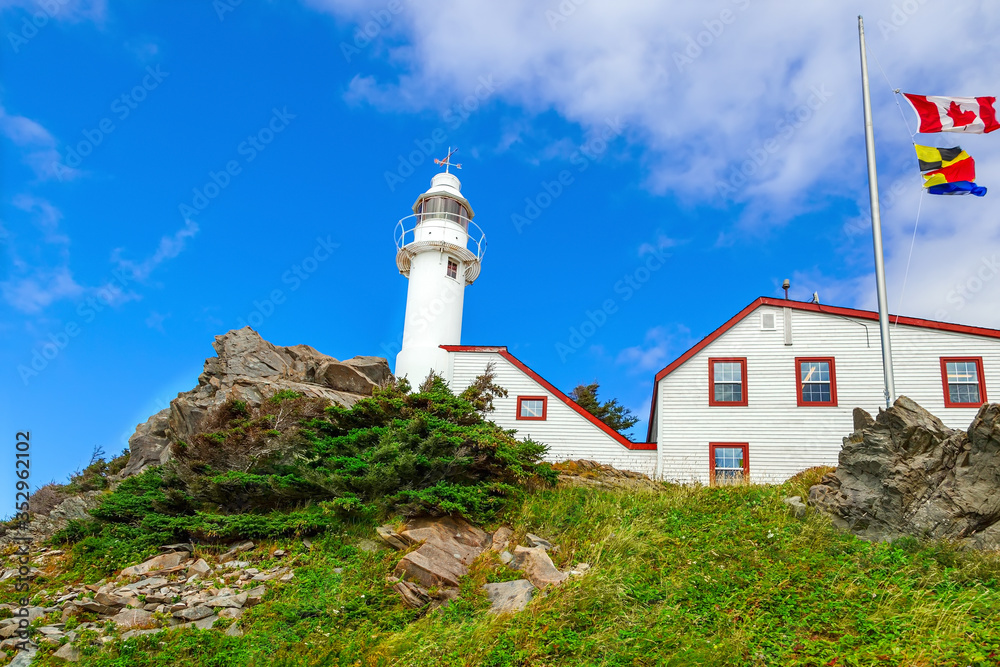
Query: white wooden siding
(784, 438)
(567, 433)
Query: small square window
(727, 381)
(531, 407)
(964, 384)
(452, 268)
(817, 382)
(729, 462)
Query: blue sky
(169, 168)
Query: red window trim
(799, 305)
(742, 361)
(745, 446)
(559, 396)
(798, 383)
(980, 375)
(545, 407)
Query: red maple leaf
(959, 117)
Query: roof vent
(767, 321)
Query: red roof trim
(502, 351)
(812, 307)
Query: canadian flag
(975, 115)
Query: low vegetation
(680, 575)
(296, 466)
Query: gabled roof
(815, 308)
(502, 351)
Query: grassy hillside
(687, 576)
(679, 575)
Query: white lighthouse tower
(440, 250)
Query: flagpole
(883, 313)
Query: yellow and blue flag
(948, 171)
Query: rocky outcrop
(537, 566)
(248, 368)
(43, 526)
(598, 475)
(906, 473)
(446, 546)
(171, 590)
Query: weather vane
(447, 160)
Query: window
(728, 462)
(964, 383)
(452, 268)
(817, 381)
(531, 407)
(444, 207)
(727, 381)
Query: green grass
(686, 576)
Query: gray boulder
(906, 473)
(250, 369)
(537, 566)
(509, 597)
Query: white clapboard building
(772, 391)
(769, 393)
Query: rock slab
(537, 566)
(906, 473)
(448, 545)
(510, 596)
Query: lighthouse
(440, 250)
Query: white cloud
(47, 217)
(707, 89)
(169, 247)
(39, 147)
(61, 10)
(144, 49)
(659, 346)
(31, 294)
(155, 320)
